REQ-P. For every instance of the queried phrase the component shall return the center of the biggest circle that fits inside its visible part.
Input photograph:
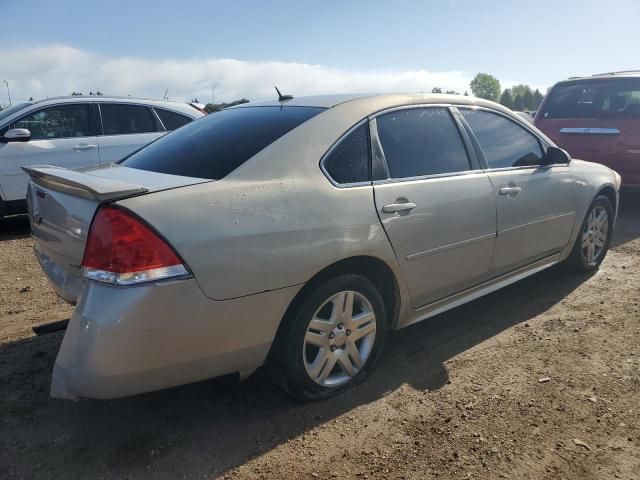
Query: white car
(78, 131)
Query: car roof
(176, 106)
(397, 99)
(607, 75)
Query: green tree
(527, 99)
(216, 107)
(537, 99)
(486, 86)
(518, 104)
(506, 99)
(519, 90)
(452, 92)
(436, 90)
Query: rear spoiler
(82, 184)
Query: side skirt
(478, 291)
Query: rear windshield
(217, 144)
(611, 98)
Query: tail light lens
(122, 250)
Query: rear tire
(333, 339)
(594, 238)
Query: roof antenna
(283, 98)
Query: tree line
(519, 97)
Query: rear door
(126, 127)
(536, 204)
(435, 204)
(61, 135)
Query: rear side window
(421, 141)
(609, 98)
(172, 120)
(61, 121)
(219, 143)
(503, 142)
(121, 119)
(349, 161)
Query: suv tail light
(122, 250)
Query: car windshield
(11, 110)
(597, 98)
(217, 144)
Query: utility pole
(165, 94)
(213, 94)
(8, 92)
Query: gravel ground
(537, 381)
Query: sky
(144, 48)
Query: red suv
(597, 119)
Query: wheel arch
(372, 268)
(609, 192)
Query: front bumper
(127, 340)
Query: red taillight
(123, 250)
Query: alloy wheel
(594, 235)
(339, 338)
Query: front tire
(593, 241)
(334, 338)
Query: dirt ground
(538, 381)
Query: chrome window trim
(590, 131)
(454, 120)
(525, 167)
(427, 177)
(333, 147)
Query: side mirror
(17, 135)
(555, 156)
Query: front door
(437, 209)
(536, 204)
(61, 135)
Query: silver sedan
(296, 233)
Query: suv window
(219, 143)
(503, 142)
(350, 160)
(61, 121)
(597, 98)
(421, 141)
(120, 119)
(172, 120)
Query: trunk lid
(62, 204)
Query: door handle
(82, 147)
(398, 207)
(511, 191)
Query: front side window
(172, 120)
(122, 119)
(62, 121)
(349, 161)
(503, 142)
(219, 143)
(421, 141)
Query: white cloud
(59, 69)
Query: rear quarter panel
(275, 221)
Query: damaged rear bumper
(125, 341)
